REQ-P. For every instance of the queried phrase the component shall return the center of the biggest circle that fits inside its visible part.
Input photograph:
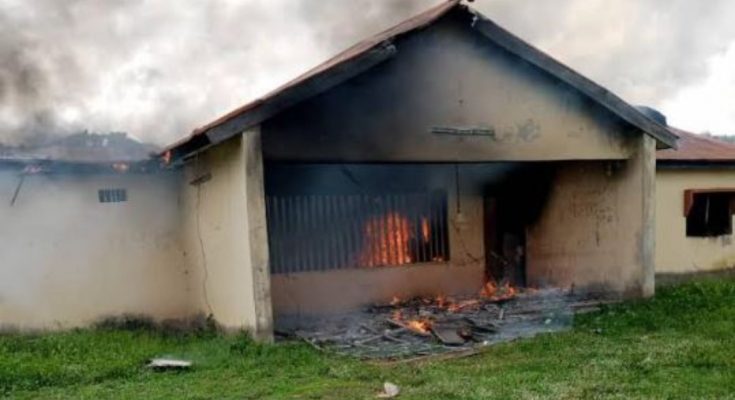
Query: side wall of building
(596, 232)
(224, 234)
(675, 252)
(67, 259)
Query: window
(112, 195)
(709, 214)
(340, 231)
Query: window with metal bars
(112, 195)
(324, 232)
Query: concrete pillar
(637, 212)
(257, 238)
(646, 157)
(225, 236)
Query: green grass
(679, 345)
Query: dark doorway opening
(510, 207)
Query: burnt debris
(430, 326)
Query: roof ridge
(363, 45)
(367, 53)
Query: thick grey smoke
(158, 69)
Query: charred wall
(447, 95)
(596, 231)
(466, 185)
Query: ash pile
(427, 326)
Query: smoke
(158, 69)
(648, 51)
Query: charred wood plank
(448, 335)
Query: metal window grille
(112, 195)
(325, 232)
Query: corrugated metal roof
(237, 120)
(698, 148)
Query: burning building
(424, 160)
(432, 158)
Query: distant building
(85, 147)
(695, 201)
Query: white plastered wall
(224, 234)
(67, 260)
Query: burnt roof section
(81, 153)
(698, 148)
(379, 48)
(86, 147)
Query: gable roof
(379, 48)
(697, 148)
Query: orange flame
(425, 229)
(386, 241)
(489, 289)
(492, 291)
(441, 301)
(422, 326)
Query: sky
(159, 68)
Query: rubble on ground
(423, 326)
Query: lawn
(679, 345)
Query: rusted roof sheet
(237, 120)
(419, 21)
(412, 24)
(698, 148)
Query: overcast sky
(159, 68)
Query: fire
(441, 301)
(387, 241)
(425, 230)
(422, 326)
(491, 290)
(457, 307)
